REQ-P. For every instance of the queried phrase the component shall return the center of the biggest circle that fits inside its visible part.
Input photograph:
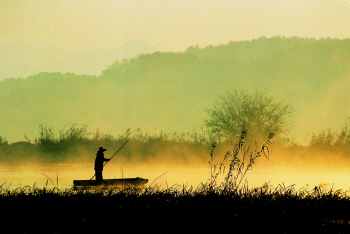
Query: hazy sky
(171, 25)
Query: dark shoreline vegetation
(76, 145)
(280, 210)
(209, 207)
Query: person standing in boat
(100, 158)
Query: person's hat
(101, 149)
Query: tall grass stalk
(238, 160)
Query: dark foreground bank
(33, 210)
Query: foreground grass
(229, 206)
(178, 209)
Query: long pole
(113, 155)
(116, 152)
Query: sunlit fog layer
(302, 168)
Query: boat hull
(138, 181)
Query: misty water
(169, 175)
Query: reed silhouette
(171, 209)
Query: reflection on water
(64, 175)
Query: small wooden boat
(138, 181)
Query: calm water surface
(64, 174)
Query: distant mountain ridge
(170, 91)
(20, 59)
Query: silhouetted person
(100, 158)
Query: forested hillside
(170, 91)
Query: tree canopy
(257, 112)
